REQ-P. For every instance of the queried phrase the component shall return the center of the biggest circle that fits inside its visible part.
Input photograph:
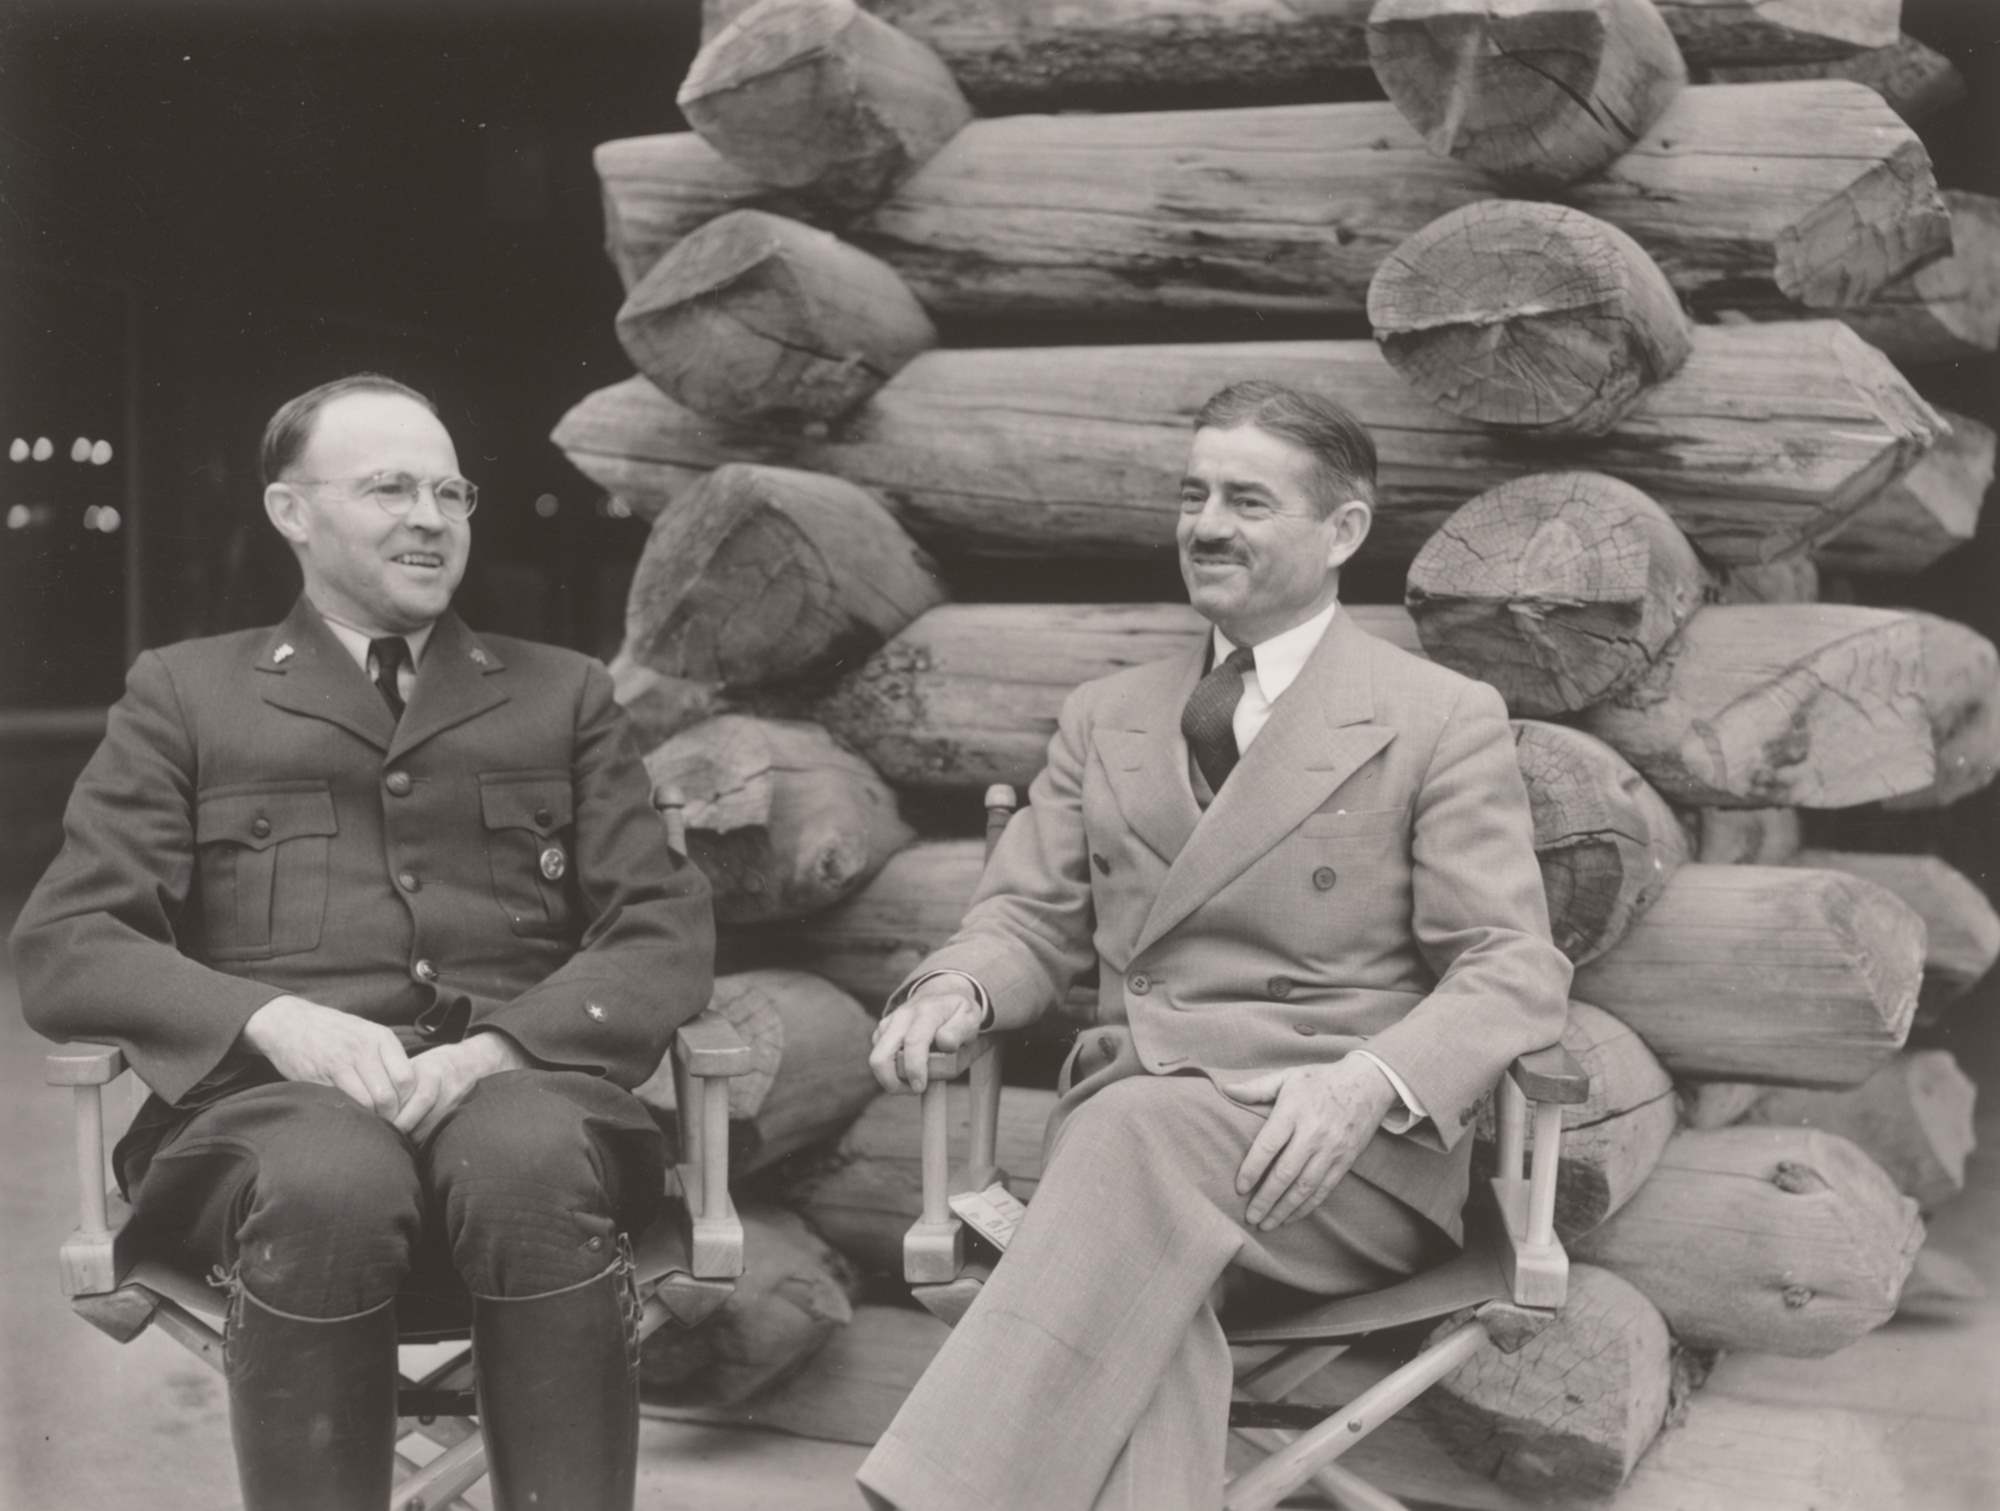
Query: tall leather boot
(312, 1405)
(558, 1382)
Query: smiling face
(383, 575)
(1256, 554)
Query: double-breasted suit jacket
(256, 823)
(1365, 878)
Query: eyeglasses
(397, 492)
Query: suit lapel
(307, 671)
(1145, 755)
(1318, 736)
(452, 685)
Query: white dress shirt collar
(1281, 658)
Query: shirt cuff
(978, 995)
(1411, 1113)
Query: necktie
(1207, 721)
(389, 654)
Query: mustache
(1216, 554)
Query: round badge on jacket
(554, 863)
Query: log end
(821, 97)
(1573, 1410)
(1536, 96)
(1886, 222)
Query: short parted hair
(291, 427)
(1343, 452)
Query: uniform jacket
(256, 823)
(1366, 876)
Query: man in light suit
(379, 910)
(1301, 863)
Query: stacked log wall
(1721, 961)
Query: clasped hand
(1322, 1117)
(364, 1061)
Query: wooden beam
(1774, 1240)
(1765, 973)
(1758, 705)
(1765, 441)
(1916, 81)
(1946, 309)
(1062, 55)
(1777, 200)
(1961, 929)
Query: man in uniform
(1301, 863)
(379, 910)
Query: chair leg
(1261, 1488)
(1347, 1490)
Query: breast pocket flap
(259, 818)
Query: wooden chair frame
(1507, 1284)
(686, 1264)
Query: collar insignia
(283, 654)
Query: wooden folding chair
(685, 1264)
(1506, 1284)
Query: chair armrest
(706, 1053)
(89, 1255)
(83, 1065)
(950, 1064)
(711, 1046)
(1550, 1075)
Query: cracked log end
(1610, 1142)
(782, 821)
(758, 317)
(1528, 316)
(1536, 94)
(1607, 843)
(821, 97)
(1888, 220)
(768, 575)
(1570, 1413)
(1557, 588)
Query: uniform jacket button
(423, 970)
(1279, 987)
(407, 880)
(399, 783)
(261, 827)
(543, 816)
(1324, 878)
(1140, 984)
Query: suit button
(1324, 878)
(399, 783)
(407, 880)
(1279, 987)
(1140, 984)
(1305, 1030)
(261, 827)
(423, 970)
